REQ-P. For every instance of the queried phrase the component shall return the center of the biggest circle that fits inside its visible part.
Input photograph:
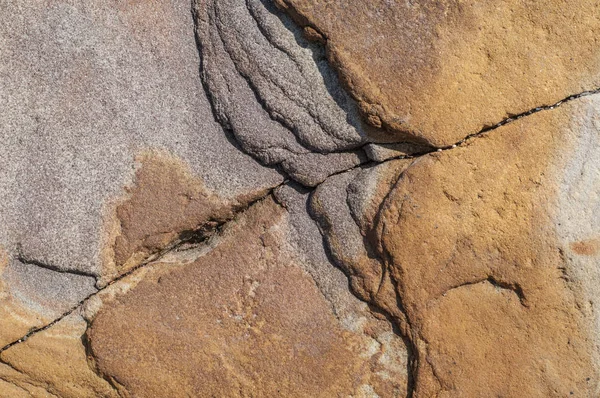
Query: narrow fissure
(25, 260)
(195, 237)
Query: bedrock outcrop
(296, 198)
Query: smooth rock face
(244, 199)
(438, 71)
(495, 245)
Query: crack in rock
(276, 93)
(284, 105)
(25, 260)
(232, 49)
(184, 240)
(403, 65)
(512, 287)
(261, 75)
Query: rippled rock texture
(299, 198)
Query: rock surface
(276, 93)
(438, 71)
(85, 91)
(299, 198)
(250, 320)
(486, 260)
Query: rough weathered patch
(589, 247)
(242, 319)
(441, 70)
(165, 202)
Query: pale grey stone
(84, 87)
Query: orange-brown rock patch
(165, 201)
(441, 70)
(468, 235)
(589, 247)
(242, 320)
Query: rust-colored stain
(165, 200)
(589, 247)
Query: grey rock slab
(345, 242)
(84, 87)
(45, 291)
(346, 208)
(308, 243)
(282, 69)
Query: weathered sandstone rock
(295, 198)
(437, 71)
(276, 93)
(54, 363)
(490, 249)
(244, 319)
